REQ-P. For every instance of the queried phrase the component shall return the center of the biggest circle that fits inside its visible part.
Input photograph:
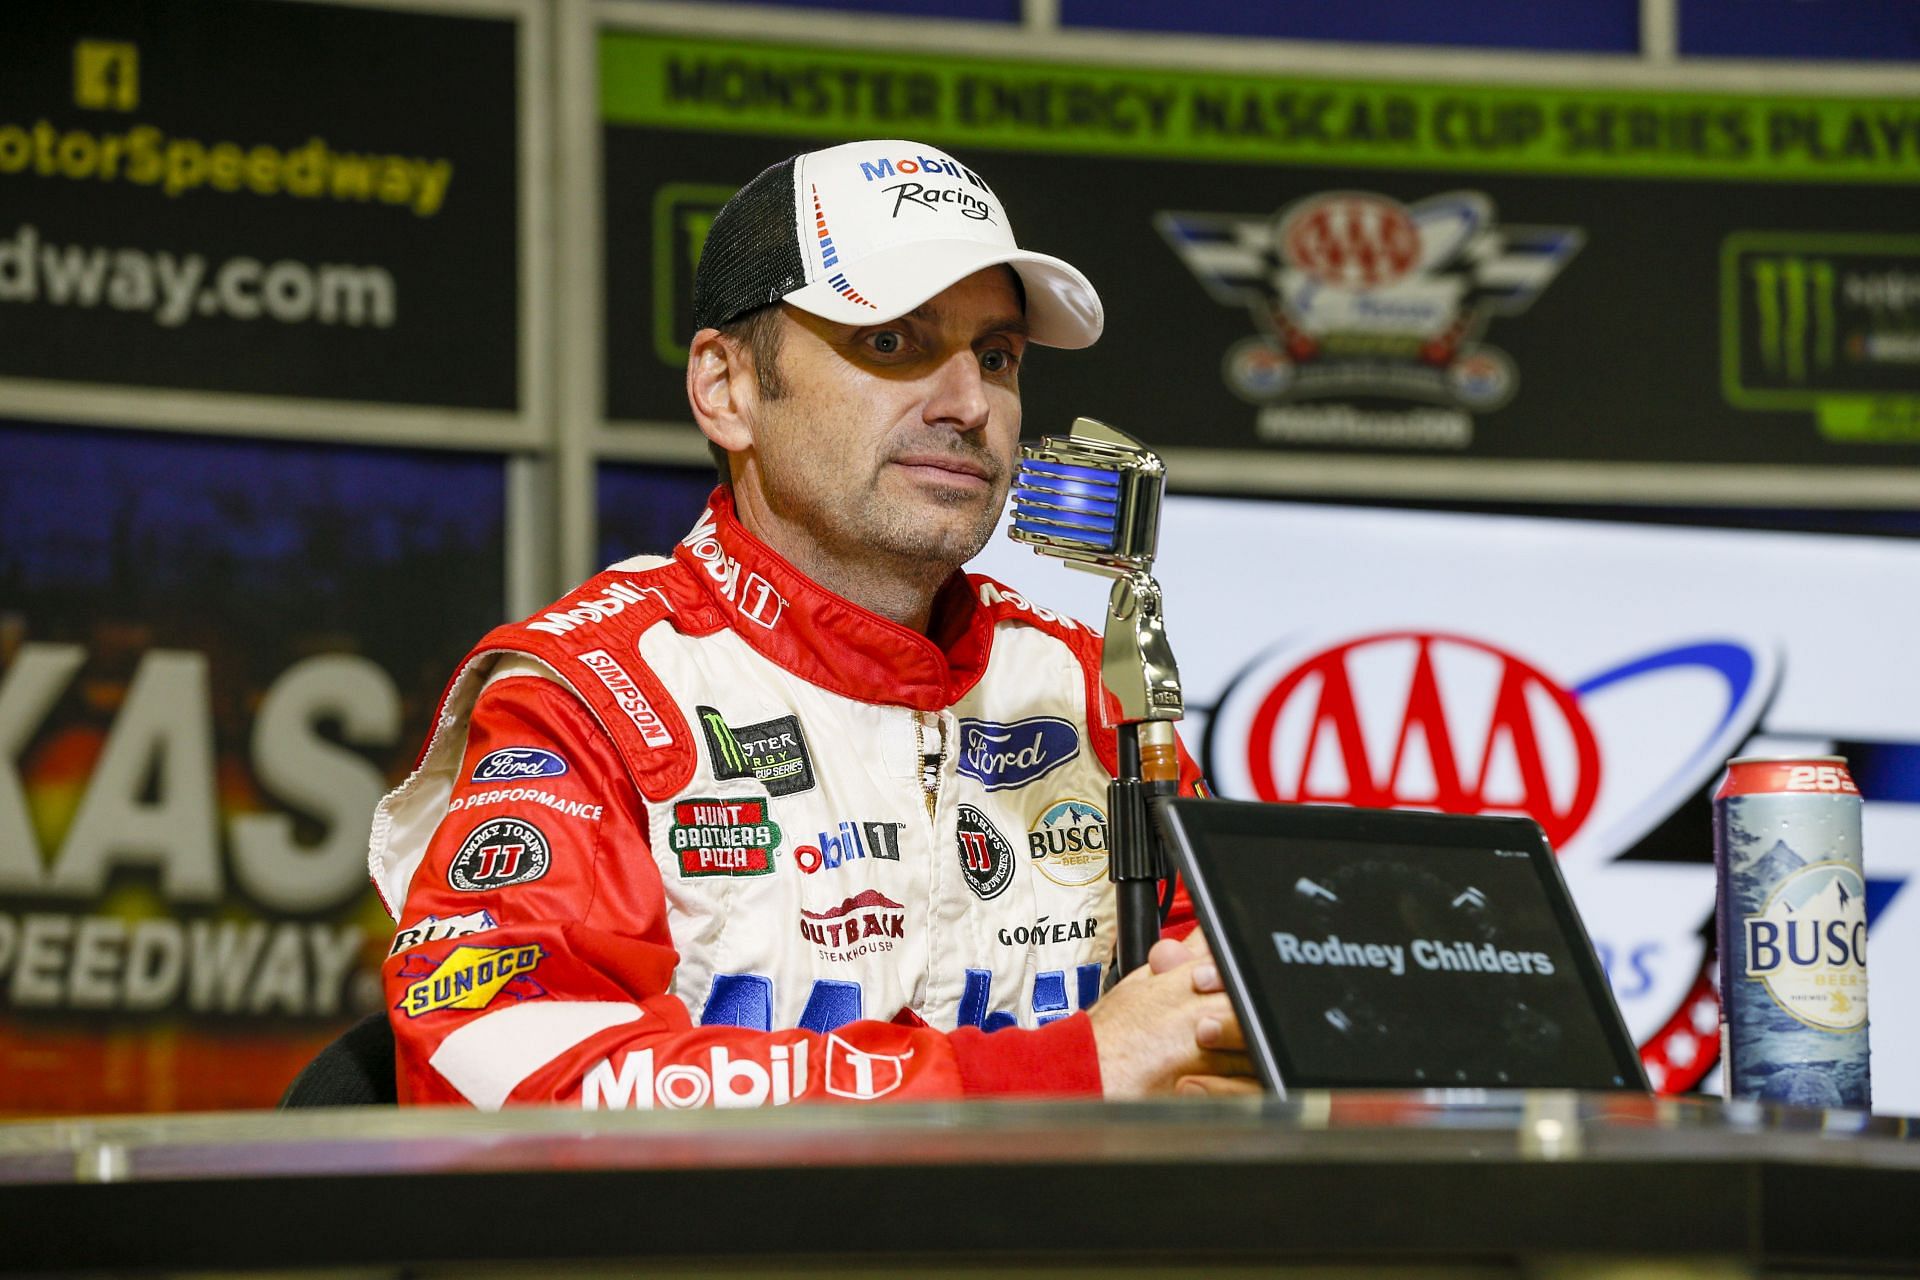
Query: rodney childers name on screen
(1429, 953)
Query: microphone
(1092, 498)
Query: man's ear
(721, 389)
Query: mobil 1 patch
(772, 752)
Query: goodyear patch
(472, 977)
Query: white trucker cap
(868, 231)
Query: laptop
(1399, 950)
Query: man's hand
(1169, 1028)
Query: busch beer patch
(1069, 843)
(986, 856)
(714, 837)
(472, 977)
(499, 852)
(772, 752)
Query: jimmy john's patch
(497, 853)
(986, 856)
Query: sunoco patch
(772, 752)
(499, 852)
(986, 857)
(471, 978)
(723, 837)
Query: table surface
(1443, 1175)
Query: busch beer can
(1792, 921)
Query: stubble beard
(900, 531)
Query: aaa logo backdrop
(1593, 677)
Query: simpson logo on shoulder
(653, 729)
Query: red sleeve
(534, 961)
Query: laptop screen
(1401, 950)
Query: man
(801, 812)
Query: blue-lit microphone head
(1091, 497)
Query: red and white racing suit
(705, 833)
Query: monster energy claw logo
(773, 752)
(1793, 300)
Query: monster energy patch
(773, 752)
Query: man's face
(896, 440)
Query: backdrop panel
(1578, 275)
(646, 510)
(1599, 26)
(1594, 677)
(214, 657)
(278, 199)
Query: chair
(356, 1070)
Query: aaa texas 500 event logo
(1440, 720)
(1355, 294)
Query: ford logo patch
(1000, 756)
(511, 764)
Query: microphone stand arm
(1137, 667)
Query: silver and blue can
(1792, 922)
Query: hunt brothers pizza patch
(723, 837)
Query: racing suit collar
(827, 639)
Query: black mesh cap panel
(751, 258)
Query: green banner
(675, 81)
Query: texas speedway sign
(1594, 677)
